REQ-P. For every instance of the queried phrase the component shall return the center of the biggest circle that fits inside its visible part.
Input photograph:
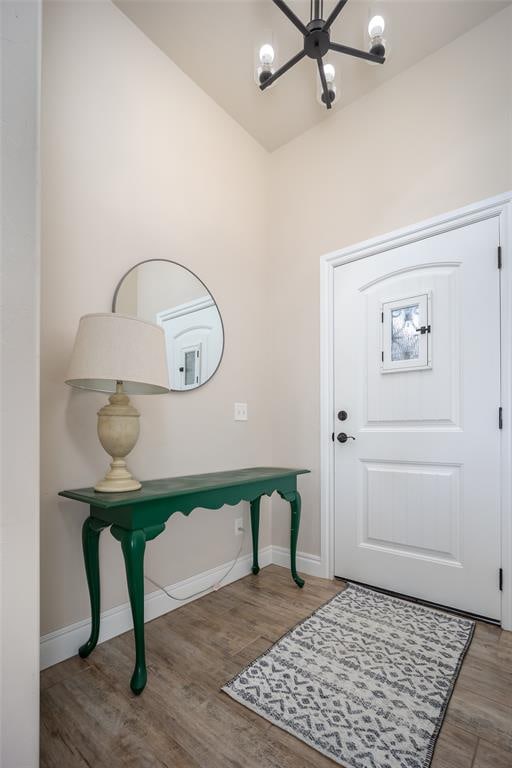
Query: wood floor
(182, 720)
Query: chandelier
(317, 43)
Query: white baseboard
(64, 643)
(310, 564)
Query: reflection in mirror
(170, 295)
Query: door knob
(343, 437)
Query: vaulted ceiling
(216, 44)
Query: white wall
(20, 31)
(434, 138)
(139, 163)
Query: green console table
(139, 516)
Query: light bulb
(332, 94)
(329, 72)
(266, 54)
(376, 26)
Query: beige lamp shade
(112, 347)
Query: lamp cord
(211, 588)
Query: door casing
(497, 207)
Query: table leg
(133, 544)
(91, 530)
(255, 528)
(295, 505)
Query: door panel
(412, 509)
(417, 368)
(427, 396)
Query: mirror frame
(177, 263)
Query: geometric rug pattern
(365, 680)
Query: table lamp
(125, 356)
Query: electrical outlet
(239, 526)
(240, 411)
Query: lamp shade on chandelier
(316, 45)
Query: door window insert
(406, 332)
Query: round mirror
(172, 296)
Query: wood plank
(490, 756)
(60, 672)
(101, 728)
(483, 717)
(455, 748)
(488, 679)
(490, 644)
(252, 651)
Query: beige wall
(139, 163)
(433, 139)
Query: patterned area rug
(365, 680)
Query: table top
(181, 486)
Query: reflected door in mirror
(194, 342)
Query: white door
(417, 371)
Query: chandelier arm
(298, 56)
(324, 83)
(290, 14)
(335, 13)
(357, 53)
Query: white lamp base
(118, 430)
(118, 479)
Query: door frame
(184, 309)
(496, 207)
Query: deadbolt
(342, 415)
